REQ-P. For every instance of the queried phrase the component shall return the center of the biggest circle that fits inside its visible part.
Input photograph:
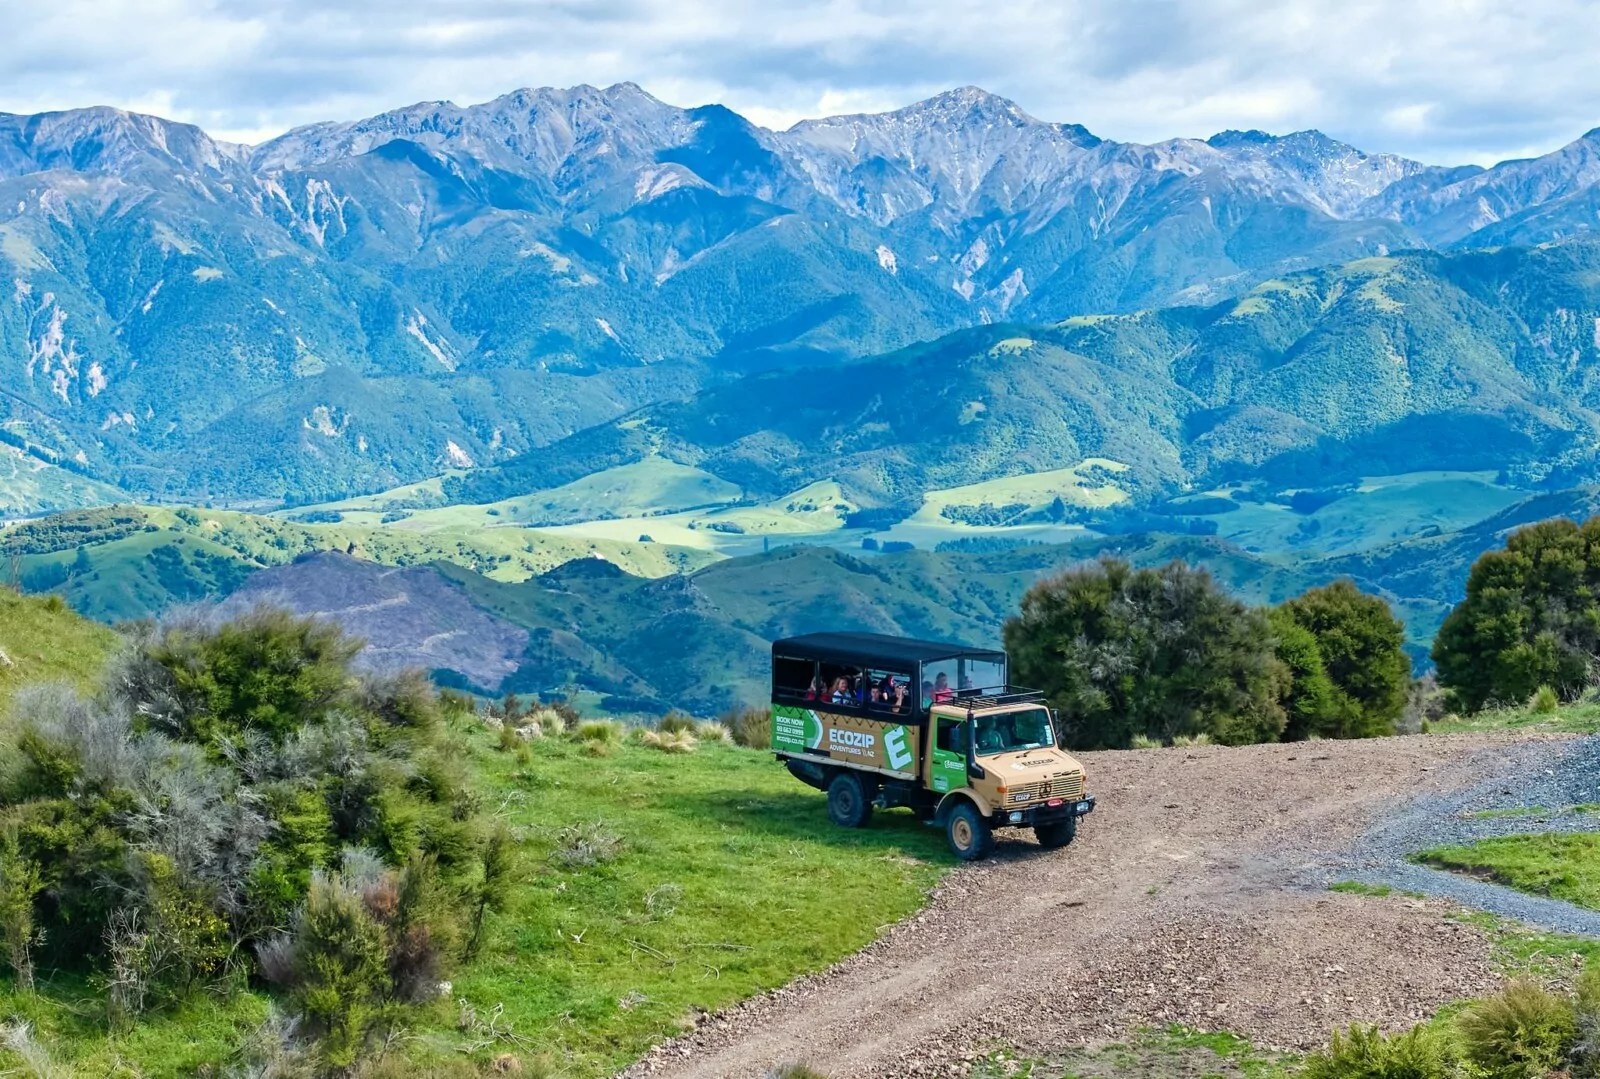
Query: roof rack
(984, 698)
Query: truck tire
(969, 834)
(848, 804)
(1059, 834)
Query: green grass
(144, 559)
(1377, 891)
(1521, 952)
(41, 639)
(1562, 865)
(729, 881)
(67, 1015)
(1173, 1052)
(1581, 717)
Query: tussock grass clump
(795, 1071)
(1544, 701)
(712, 731)
(579, 846)
(669, 741)
(1522, 1032)
(599, 730)
(1143, 741)
(1367, 1053)
(751, 726)
(1192, 740)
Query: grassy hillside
(716, 876)
(41, 639)
(137, 560)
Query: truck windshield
(1011, 732)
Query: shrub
(1544, 701)
(1143, 741)
(1523, 1032)
(586, 844)
(751, 726)
(1530, 618)
(492, 889)
(20, 884)
(507, 738)
(676, 722)
(1366, 1053)
(1361, 645)
(337, 968)
(1586, 1047)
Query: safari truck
(880, 721)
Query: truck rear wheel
(969, 834)
(1059, 834)
(848, 805)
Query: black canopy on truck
(877, 650)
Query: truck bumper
(1045, 813)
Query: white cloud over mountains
(1444, 81)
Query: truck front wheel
(1059, 834)
(848, 805)
(969, 834)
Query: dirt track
(1183, 900)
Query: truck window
(791, 678)
(1012, 732)
(951, 735)
(889, 691)
(965, 674)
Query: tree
(1531, 618)
(1310, 703)
(1159, 652)
(1362, 647)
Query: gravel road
(1195, 894)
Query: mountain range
(482, 290)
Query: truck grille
(1064, 787)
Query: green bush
(1360, 656)
(1544, 701)
(20, 885)
(1523, 1032)
(336, 968)
(1531, 618)
(1366, 1053)
(676, 722)
(1160, 652)
(188, 807)
(1586, 1014)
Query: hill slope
(365, 304)
(1423, 361)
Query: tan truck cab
(879, 722)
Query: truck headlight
(1016, 817)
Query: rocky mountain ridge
(356, 305)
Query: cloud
(1441, 80)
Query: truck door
(947, 763)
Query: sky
(1443, 82)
